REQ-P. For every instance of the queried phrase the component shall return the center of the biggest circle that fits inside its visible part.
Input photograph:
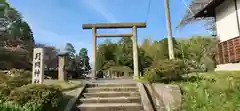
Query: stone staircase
(110, 97)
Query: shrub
(150, 75)
(165, 71)
(4, 92)
(40, 97)
(19, 72)
(18, 81)
(16, 78)
(3, 78)
(8, 106)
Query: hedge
(165, 71)
(33, 97)
(15, 78)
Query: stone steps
(110, 97)
(112, 100)
(111, 85)
(111, 94)
(112, 89)
(111, 107)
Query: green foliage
(83, 52)
(150, 75)
(78, 63)
(4, 92)
(17, 94)
(99, 61)
(211, 92)
(69, 48)
(196, 54)
(115, 54)
(9, 60)
(3, 78)
(38, 97)
(8, 106)
(15, 78)
(165, 71)
(145, 61)
(14, 82)
(16, 42)
(199, 53)
(84, 59)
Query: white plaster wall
(226, 21)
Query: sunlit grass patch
(213, 91)
(65, 86)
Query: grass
(213, 91)
(64, 102)
(65, 86)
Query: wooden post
(94, 31)
(135, 52)
(169, 30)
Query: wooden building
(226, 14)
(118, 72)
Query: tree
(50, 56)
(69, 48)
(199, 52)
(119, 54)
(125, 52)
(105, 53)
(16, 39)
(83, 54)
(145, 61)
(3, 6)
(194, 7)
(99, 61)
(164, 47)
(3, 22)
(18, 32)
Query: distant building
(227, 14)
(118, 72)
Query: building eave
(209, 10)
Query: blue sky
(56, 22)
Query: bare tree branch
(194, 7)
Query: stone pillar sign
(38, 66)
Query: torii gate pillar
(135, 52)
(94, 48)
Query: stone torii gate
(133, 36)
